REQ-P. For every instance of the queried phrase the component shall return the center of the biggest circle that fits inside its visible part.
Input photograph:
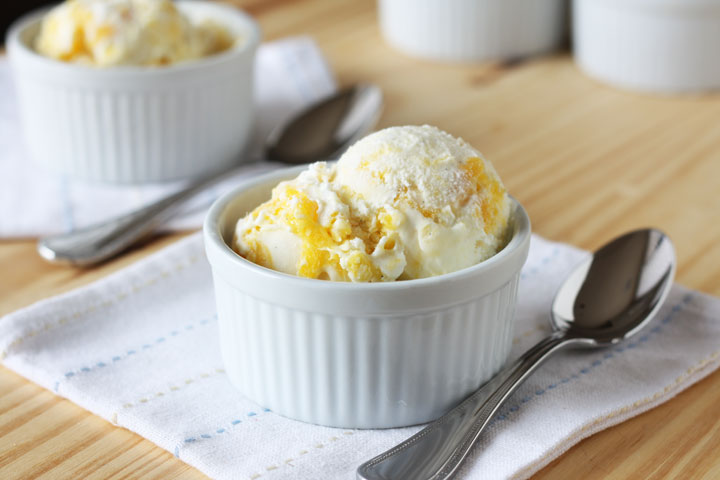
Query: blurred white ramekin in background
(137, 124)
(473, 30)
(662, 46)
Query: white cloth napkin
(140, 348)
(290, 74)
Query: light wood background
(588, 162)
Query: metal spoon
(605, 300)
(322, 131)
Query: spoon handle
(103, 240)
(437, 451)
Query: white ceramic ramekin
(371, 355)
(137, 124)
(663, 46)
(473, 30)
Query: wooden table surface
(587, 161)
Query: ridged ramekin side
(362, 372)
(136, 134)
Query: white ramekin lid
(340, 297)
(662, 46)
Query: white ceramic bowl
(370, 355)
(137, 124)
(663, 46)
(473, 30)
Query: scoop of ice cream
(306, 229)
(126, 32)
(402, 203)
(449, 208)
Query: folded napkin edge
(691, 376)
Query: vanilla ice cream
(126, 32)
(402, 203)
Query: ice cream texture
(126, 32)
(402, 203)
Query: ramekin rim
(15, 45)
(211, 233)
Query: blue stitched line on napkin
(589, 368)
(218, 431)
(130, 352)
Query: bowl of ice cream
(374, 292)
(134, 91)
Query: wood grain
(588, 162)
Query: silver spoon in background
(605, 300)
(321, 131)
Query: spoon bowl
(606, 299)
(616, 291)
(327, 128)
